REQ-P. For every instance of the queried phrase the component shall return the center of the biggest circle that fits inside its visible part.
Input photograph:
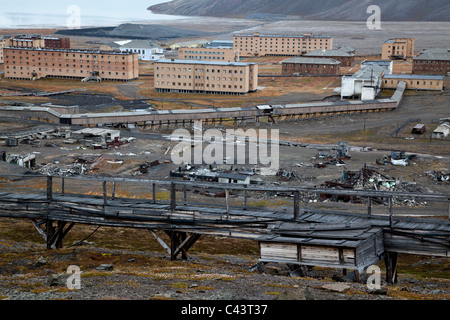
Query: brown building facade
(347, 59)
(414, 82)
(435, 61)
(37, 63)
(398, 47)
(209, 54)
(56, 43)
(172, 75)
(286, 45)
(310, 66)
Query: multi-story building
(414, 81)
(4, 42)
(174, 75)
(212, 54)
(310, 66)
(56, 42)
(398, 47)
(256, 44)
(432, 61)
(37, 63)
(347, 59)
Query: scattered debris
(438, 176)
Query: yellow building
(286, 45)
(212, 54)
(398, 47)
(37, 63)
(184, 76)
(414, 82)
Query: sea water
(76, 13)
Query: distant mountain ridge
(349, 10)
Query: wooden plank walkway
(300, 237)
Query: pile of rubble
(370, 179)
(438, 176)
(74, 169)
(287, 175)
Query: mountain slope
(391, 10)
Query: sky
(75, 13)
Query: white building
(367, 82)
(147, 50)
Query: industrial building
(398, 48)
(175, 75)
(212, 54)
(37, 63)
(414, 81)
(347, 59)
(256, 44)
(310, 67)
(432, 61)
(366, 83)
(219, 44)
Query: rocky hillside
(391, 10)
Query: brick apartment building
(414, 81)
(398, 47)
(212, 54)
(286, 45)
(432, 61)
(37, 63)
(56, 43)
(347, 59)
(310, 66)
(195, 76)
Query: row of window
(189, 85)
(411, 82)
(199, 70)
(168, 76)
(205, 58)
(20, 52)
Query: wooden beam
(49, 188)
(173, 196)
(160, 241)
(391, 267)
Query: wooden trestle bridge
(297, 234)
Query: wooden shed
(347, 246)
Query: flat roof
(413, 76)
(306, 60)
(219, 63)
(329, 53)
(433, 55)
(72, 50)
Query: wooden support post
(154, 192)
(105, 200)
(50, 231)
(369, 207)
(173, 196)
(391, 267)
(226, 201)
(245, 198)
(296, 205)
(113, 195)
(62, 186)
(49, 188)
(184, 195)
(390, 211)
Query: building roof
(137, 44)
(72, 50)
(413, 76)
(218, 63)
(328, 53)
(305, 60)
(234, 176)
(374, 71)
(434, 55)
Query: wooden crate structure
(345, 246)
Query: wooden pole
(173, 199)
(296, 205)
(245, 199)
(369, 207)
(104, 194)
(113, 195)
(184, 195)
(390, 211)
(154, 192)
(62, 185)
(226, 200)
(49, 188)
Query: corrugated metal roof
(413, 76)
